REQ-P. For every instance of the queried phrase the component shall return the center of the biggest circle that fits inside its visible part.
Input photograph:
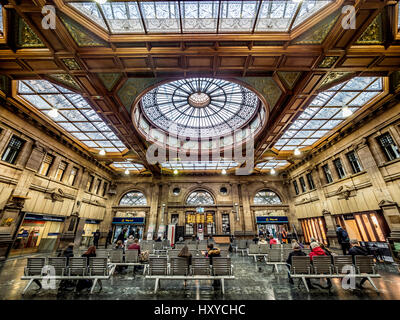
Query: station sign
(39, 217)
(138, 220)
(272, 220)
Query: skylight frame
(309, 128)
(225, 17)
(199, 165)
(132, 199)
(131, 166)
(75, 117)
(271, 164)
(267, 197)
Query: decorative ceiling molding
(71, 64)
(267, 87)
(318, 33)
(395, 80)
(66, 79)
(132, 88)
(328, 62)
(289, 78)
(83, 37)
(334, 77)
(25, 36)
(109, 79)
(374, 33)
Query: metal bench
(178, 270)
(37, 269)
(242, 246)
(275, 258)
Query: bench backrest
(179, 266)
(158, 246)
(254, 248)
(365, 264)
(202, 246)
(276, 246)
(322, 264)
(340, 262)
(173, 253)
(274, 255)
(192, 246)
(59, 264)
(98, 266)
(264, 248)
(77, 266)
(132, 256)
(34, 266)
(301, 265)
(157, 266)
(116, 256)
(242, 244)
(179, 245)
(200, 266)
(147, 246)
(224, 253)
(285, 253)
(221, 266)
(102, 253)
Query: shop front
(200, 223)
(89, 228)
(314, 228)
(38, 233)
(370, 229)
(272, 225)
(129, 226)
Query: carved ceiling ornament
(374, 33)
(66, 79)
(26, 37)
(56, 194)
(109, 79)
(16, 202)
(328, 61)
(267, 87)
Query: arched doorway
(200, 220)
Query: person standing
(96, 238)
(343, 239)
(109, 238)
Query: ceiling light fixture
(102, 152)
(273, 171)
(126, 171)
(175, 172)
(100, 1)
(223, 171)
(346, 111)
(53, 113)
(297, 152)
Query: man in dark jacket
(357, 250)
(213, 252)
(96, 237)
(343, 239)
(109, 238)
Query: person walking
(96, 238)
(343, 239)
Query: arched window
(200, 197)
(133, 198)
(266, 197)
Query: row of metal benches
(276, 253)
(175, 268)
(57, 268)
(338, 267)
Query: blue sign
(39, 217)
(128, 221)
(272, 220)
(53, 234)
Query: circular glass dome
(200, 107)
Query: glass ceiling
(200, 198)
(1, 20)
(328, 110)
(200, 107)
(201, 165)
(133, 198)
(199, 16)
(398, 16)
(128, 165)
(271, 164)
(74, 114)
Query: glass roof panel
(309, 8)
(74, 114)
(128, 165)
(199, 165)
(201, 16)
(1, 20)
(266, 197)
(200, 107)
(315, 122)
(267, 165)
(133, 198)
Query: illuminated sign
(38, 217)
(272, 220)
(128, 221)
(200, 210)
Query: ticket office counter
(131, 226)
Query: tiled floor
(250, 283)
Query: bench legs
(223, 285)
(373, 284)
(93, 286)
(27, 286)
(305, 284)
(156, 285)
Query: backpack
(144, 256)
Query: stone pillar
(247, 215)
(330, 229)
(155, 191)
(236, 222)
(391, 212)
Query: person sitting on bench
(357, 250)
(297, 252)
(316, 250)
(213, 252)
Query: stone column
(153, 208)
(248, 220)
(391, 213)
(330, 229)
(236, 222)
